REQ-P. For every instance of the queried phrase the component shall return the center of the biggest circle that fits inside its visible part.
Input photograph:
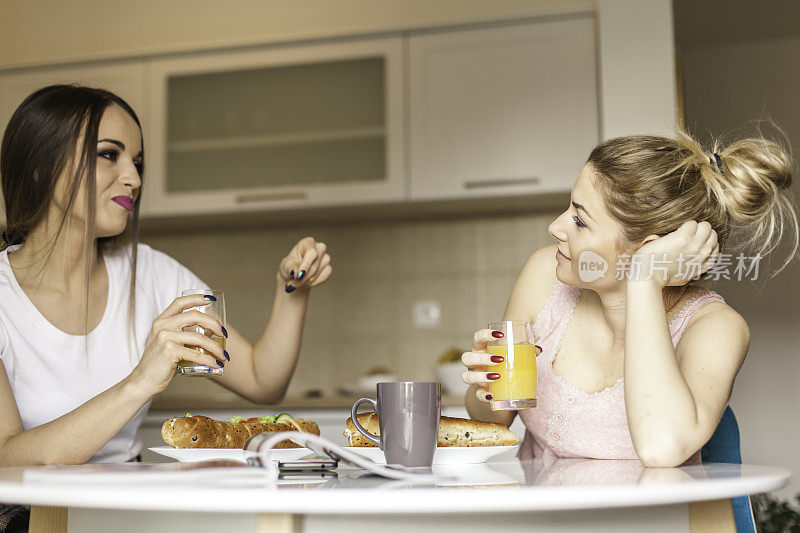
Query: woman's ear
(649, 238)
(643, 242)
(633, 246)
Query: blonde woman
(85, 344)
(641, 365)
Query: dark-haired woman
(85, 345)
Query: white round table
(507, 494)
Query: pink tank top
(569, 422)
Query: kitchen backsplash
(362, 318)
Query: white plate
(192, 455)
(455, 455)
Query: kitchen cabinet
(283, 127)
(440, 114)
(502, 111)
(124, 78)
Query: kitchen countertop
(517, 487)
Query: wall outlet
(427, 314)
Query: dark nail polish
(224, 332)
(538, 348)
(301, 275)
(228, 357)
(291, 274)
(209, 298)
(497, 334)
(290, 288)
(489, 396)
(220, 364)
(498, 358)
(492, 375)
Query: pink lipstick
(124, 201)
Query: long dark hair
(41, 141)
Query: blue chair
(723, 447)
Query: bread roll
(201, 432)
(452, 432)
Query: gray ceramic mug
(409, 413)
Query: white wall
(726, 87)
(38, 32)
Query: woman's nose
(130, 176)
(556, 229)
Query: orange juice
(517, 386)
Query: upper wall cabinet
(125, 78)
(494, 111)
(284, 127)
(502, 111)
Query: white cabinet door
(124, 78)
(278, 128)
(502, 111)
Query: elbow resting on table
(662, 453)
(267, 398)
(48, 458)
(660, 460)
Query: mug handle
(354, 417)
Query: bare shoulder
(719, 314)
(534, 284)
(719, 324)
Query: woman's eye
(578, 221)
(111, 155)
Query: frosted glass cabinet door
(277, 128)
(502, 111)
(124, 78)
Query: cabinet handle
(502, 182)
(270, 197)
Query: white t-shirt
(52, 372)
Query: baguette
(452, 432)
(202, 432)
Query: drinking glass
(517, 386)
(215, 309)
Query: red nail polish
(489, 396)
(497, 358)
(492, 375)
(497, 334)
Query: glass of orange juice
(215, 309)
(517, 386)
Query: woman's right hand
(167, 343)
(478, 359)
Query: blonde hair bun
(653, 184)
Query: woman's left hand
(306, 266)
(678, 257)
